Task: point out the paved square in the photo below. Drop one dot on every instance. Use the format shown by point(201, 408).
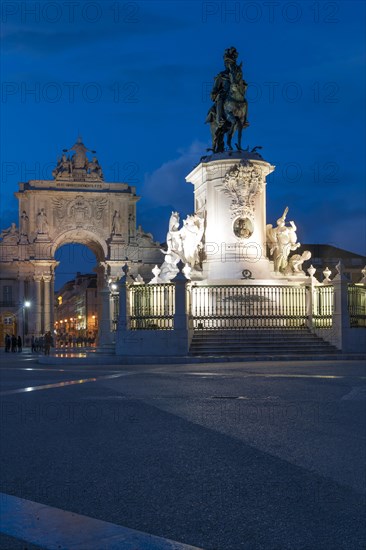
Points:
point(218, 456)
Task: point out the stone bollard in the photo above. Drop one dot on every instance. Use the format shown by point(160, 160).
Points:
point(341, 319)
point(180, 309)
point(310, 290)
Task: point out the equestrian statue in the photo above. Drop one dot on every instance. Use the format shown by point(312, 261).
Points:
point(229, 112)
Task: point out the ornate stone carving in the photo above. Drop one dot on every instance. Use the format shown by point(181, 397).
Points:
point(282, 240)
point(24, 224)
point(242, 183)
point(10, 235)
point(78, 167)
point(42, 222)
point(183, 244)
point(116, 223)
point(295, 262)
point(79, 210)
point(243, 228)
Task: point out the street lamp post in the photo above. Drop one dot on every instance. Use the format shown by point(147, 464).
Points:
point(26, 305)
point(114, 295)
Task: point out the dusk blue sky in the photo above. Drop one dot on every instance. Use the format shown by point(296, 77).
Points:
point(133, 78)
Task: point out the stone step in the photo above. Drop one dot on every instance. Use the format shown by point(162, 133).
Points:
point(259, 342)
point(261, 333)
point(299, 349)
point(267, 353)
point(264, 347)
point(253, 339)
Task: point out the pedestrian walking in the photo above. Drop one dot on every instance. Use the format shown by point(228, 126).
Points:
point(14, 343)
point(7, 342)
point(47, 343)
point(41, 343)
point(19, 344)
point(33, 344)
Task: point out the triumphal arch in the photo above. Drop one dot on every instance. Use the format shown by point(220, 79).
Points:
point(76, 206)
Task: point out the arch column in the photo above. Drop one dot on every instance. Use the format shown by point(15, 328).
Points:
point(47, 302)
point(38, 304)
point(105, 334)
point(21, 315)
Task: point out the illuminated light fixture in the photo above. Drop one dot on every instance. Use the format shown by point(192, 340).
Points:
point(114, 286)
point(79, 316)
point(65, 320)
point(27, 303)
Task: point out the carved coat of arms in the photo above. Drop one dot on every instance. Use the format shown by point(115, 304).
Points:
point(79, 211)
point(242, 183)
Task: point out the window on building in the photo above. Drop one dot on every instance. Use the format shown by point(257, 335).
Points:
point(7, 295)
point(8, 320)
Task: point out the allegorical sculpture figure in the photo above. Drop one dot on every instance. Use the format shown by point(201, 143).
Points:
point(42, 223)
point(229, 112)
point(24, 224)
point(79, 158)
point(95, 168)
point(295, 262)
point(182, 244)
point(116, 223)
point(282, 240)
point(78, 167)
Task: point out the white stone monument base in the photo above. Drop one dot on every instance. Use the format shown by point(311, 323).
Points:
point(232, 270)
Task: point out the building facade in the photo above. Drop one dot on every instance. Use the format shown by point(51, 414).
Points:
point(76, 206)
point(76, 311)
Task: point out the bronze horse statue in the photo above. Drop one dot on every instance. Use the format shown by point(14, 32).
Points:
point(233, 111)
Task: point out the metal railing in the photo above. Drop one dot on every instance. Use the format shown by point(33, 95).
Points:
point(231, 307)
point(357, 305)
point(247, 306)
point(152, 307)
point(323, 306)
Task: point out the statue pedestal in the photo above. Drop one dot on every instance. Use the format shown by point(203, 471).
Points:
point(230, 191)
point(42, 238)
point(117, 239)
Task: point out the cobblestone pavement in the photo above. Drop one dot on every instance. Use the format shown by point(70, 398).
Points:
point(219, 456)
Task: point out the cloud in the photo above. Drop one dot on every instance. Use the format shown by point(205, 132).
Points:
point(165, 190)
point(167, 185)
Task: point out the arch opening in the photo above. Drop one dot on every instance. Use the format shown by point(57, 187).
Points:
point(77, 308)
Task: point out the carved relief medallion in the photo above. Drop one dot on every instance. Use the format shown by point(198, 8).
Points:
point(243, 228)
